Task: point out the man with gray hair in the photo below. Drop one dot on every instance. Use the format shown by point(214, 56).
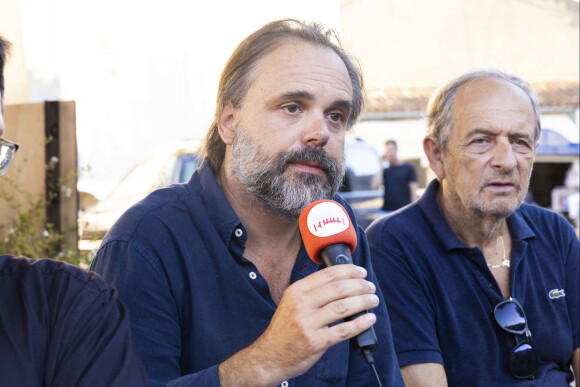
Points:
point(470, 274)
point(214, 272)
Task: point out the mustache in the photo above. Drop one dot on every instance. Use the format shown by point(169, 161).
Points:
point(510, 176)
point(308, 154)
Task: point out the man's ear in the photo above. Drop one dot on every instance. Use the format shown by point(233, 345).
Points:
point(226, 122)
point(435, 156)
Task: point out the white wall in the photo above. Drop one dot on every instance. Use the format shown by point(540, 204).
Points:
point(141, 72)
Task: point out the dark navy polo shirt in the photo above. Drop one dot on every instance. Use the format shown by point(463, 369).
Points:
point(63, 326)
point(440, 293)
point(177, 261)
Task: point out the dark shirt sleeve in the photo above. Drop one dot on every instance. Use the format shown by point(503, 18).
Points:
point(63, 326)
point(100, 351)
point(384, 355)
point(411, 312)
point(156, 323)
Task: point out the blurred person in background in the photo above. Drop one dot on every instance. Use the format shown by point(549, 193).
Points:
point(399, 180)
point(482, 289)
point(214, 272)
point(59, 324)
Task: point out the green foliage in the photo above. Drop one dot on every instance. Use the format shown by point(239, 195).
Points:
point(30, 233)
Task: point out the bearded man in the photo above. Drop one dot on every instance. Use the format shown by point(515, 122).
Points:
point(214, 272)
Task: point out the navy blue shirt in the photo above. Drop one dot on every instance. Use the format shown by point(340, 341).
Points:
point(63, 326)
point(177, 260)
point(440, 293)
point(396, 180)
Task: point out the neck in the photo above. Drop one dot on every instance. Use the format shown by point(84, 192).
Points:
point(265, 228)
point(273, 241)
point(473, 230)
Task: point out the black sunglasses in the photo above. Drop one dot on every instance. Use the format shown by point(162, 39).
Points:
point(510, 316)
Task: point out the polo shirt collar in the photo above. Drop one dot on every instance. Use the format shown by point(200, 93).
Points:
point(517, 225)
point(428, 205)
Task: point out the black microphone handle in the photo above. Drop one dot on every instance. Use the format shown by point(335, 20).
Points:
point(339, 254)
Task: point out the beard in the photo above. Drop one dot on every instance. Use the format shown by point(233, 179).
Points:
point(269, 185)
point(497, 207)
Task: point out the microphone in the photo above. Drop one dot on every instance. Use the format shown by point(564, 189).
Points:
point(330, 239)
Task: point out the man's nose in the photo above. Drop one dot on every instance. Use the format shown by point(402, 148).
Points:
point(316, 132)
point(504, 156)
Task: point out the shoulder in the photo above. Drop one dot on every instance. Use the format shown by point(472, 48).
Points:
point(52, 283)
point(544, 227)
point(166, 201)
point(408, 219)
point(405, 234)
point(537, 212)
point(542, 219)
point(410, 169)
point(49, 271)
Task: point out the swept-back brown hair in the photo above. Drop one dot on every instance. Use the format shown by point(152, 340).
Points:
point(241, 69)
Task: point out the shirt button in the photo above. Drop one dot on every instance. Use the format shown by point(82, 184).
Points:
point(284, 384)
point(253, 275)
point(238, 232)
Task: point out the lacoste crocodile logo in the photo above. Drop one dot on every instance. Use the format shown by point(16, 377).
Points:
point(557, 293)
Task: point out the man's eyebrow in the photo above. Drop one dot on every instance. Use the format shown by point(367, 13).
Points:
point(297, 95)
point(304, 95)
point(478, 131)
point(488, 132)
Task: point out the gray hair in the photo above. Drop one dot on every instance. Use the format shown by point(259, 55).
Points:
point(241, 69)
point(440, 106)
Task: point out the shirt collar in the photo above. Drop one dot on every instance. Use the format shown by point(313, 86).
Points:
point(428, 205)
point(222, 215)
point(226, 221)
point(517, 225)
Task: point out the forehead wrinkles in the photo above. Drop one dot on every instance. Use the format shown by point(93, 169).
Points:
point(493, 104)
point(513, 117)
point(303, 64)
point(317, 76)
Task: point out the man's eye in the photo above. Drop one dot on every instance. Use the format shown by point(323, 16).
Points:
point(291, 108)
point(479, 145)
point(520, 142)
point(336, 117)
point(522, 146)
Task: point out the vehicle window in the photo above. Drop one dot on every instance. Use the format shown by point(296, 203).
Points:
point(362, 161)
point(362, 164)
point(138, 180)
point(186, 165)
